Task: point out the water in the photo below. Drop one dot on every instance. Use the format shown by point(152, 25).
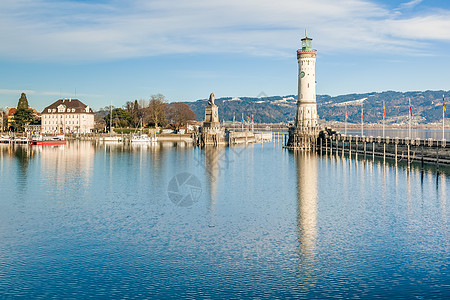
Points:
point(92, 221)
point(402, 133)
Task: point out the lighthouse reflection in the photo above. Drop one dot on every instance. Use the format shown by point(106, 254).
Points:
point(307, 165)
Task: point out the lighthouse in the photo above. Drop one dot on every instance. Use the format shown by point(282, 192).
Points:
point(305, 130)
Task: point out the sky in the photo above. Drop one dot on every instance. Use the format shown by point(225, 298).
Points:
point(113, 51)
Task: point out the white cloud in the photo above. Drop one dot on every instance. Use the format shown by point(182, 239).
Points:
point(16, 92)
point(410, 4)
point(46, 93)
point(49, 30)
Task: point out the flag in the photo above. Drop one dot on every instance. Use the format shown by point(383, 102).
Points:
point(410, 110)
point(346, 116)
point(384, 110)
point(252, 119)
point(443, 105)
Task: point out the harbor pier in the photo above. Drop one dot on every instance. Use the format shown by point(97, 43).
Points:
point(430, 151)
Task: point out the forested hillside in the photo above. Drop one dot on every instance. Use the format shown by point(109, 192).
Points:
point(427, 107)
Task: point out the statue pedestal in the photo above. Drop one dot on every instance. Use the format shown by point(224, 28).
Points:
point(210, 132)
point(211, 114)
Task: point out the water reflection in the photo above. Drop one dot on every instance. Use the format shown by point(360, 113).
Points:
point(23, 155)
point(67, 170)
point(307, 188)
point(213, 167)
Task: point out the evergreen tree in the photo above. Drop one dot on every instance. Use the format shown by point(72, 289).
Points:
point(135, 114)
point(23, 102)
point(23, 115)
point(120, 118)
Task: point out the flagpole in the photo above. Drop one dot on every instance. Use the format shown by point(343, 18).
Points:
point(443, 118)
point(383, 117)
point(346, 119)
point(252, 124)
point(362, 120)
point(410, 113)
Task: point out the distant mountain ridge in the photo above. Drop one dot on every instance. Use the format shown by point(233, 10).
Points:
point(427, 107)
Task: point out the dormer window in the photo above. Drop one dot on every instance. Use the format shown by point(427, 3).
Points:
point(49, 110)
point(54, 110)
point(61, 108)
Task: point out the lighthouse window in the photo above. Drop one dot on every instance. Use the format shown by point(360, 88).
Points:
point(308, 84)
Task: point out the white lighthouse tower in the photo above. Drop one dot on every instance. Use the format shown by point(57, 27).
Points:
point(305, 130)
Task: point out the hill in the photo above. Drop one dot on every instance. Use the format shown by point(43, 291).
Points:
point(427, 107)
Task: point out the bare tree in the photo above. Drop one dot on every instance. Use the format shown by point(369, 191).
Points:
point(143, 103)
point(179, 113)
point(129, 105)
point(155, 113)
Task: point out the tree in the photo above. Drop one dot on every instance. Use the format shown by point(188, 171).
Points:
point(135, 114)
point(120, 117)
point(129, 105)
point(23, 115)
point(155, 113)
point(179, 113)
point(23, 102)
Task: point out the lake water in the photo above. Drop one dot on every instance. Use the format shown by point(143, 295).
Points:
point(402, 133)
point(171, 221)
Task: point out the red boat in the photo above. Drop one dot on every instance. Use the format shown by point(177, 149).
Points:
point(48, 142)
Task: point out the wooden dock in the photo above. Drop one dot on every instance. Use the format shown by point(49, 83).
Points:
point(410, 150)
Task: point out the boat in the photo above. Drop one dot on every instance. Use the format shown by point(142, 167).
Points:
point(143, 138)
point(4, 139)
point(19, 140)
point(111, 139)
point(49, 141)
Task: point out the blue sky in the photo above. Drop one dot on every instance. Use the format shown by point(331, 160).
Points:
point(111, 50)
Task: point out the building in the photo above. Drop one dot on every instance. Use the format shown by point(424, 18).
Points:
point(305, 130)
point(12, 111)
point(67, 116)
